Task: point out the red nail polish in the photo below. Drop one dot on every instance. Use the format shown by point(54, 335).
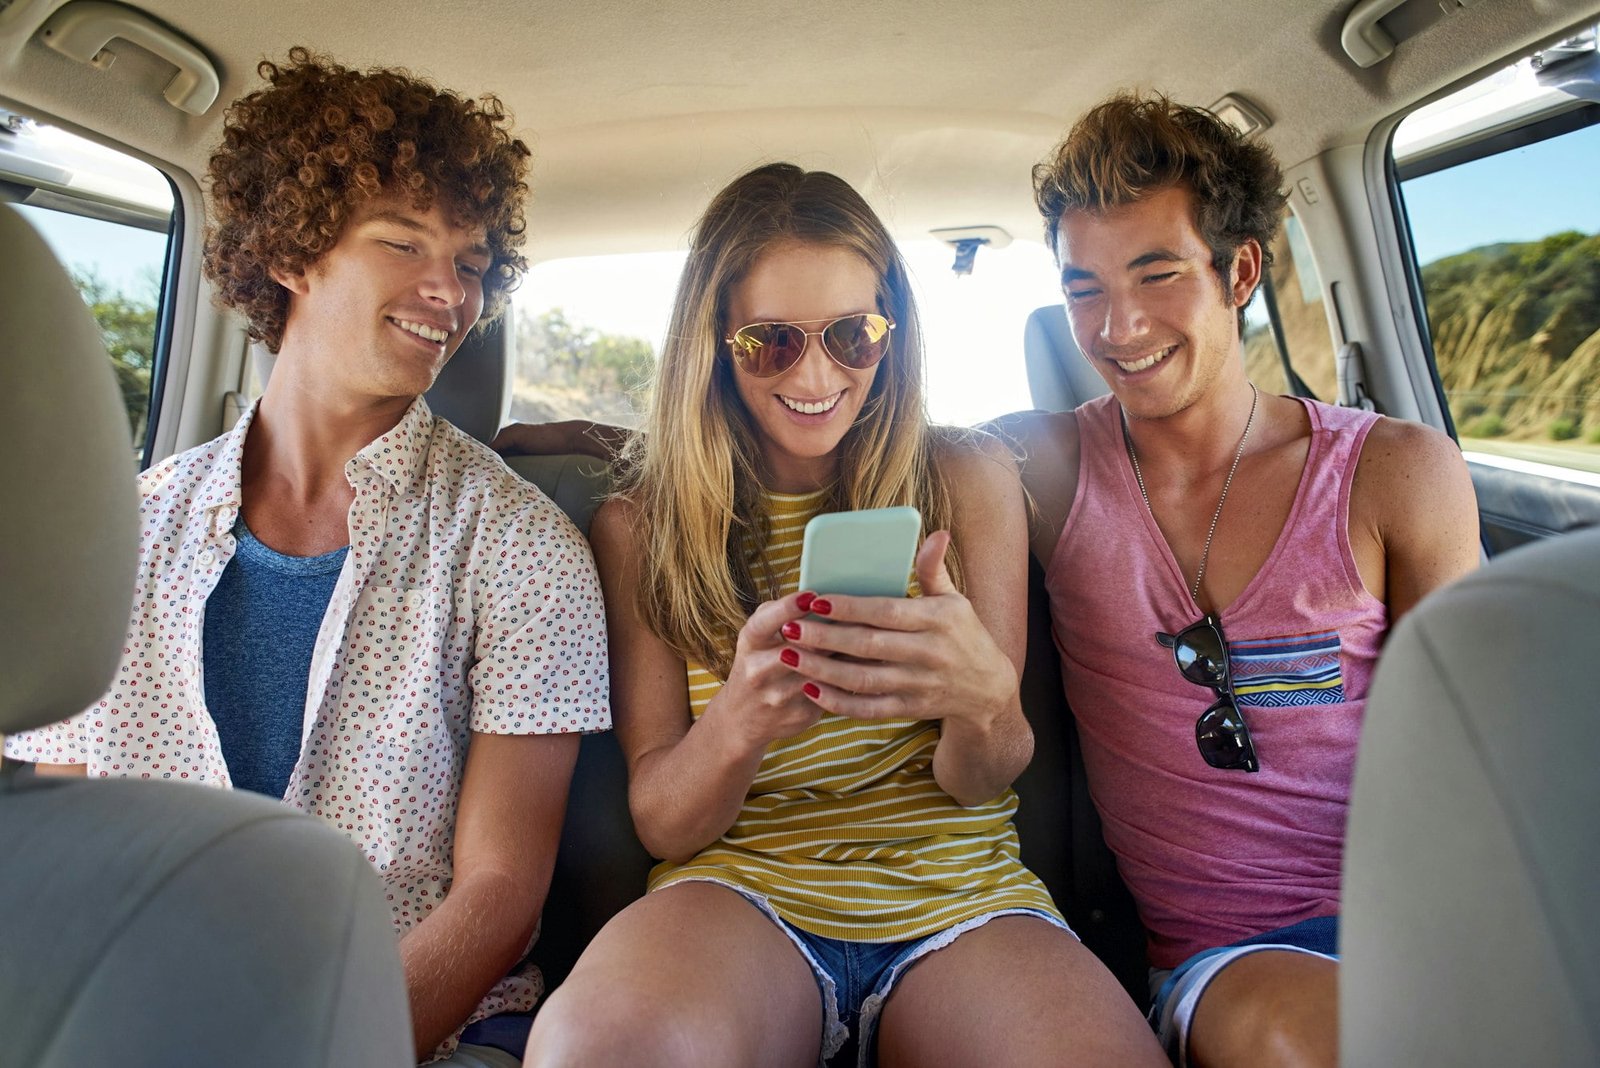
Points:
point(821, 607)
point(790, 657)
point(803, 602)
point(811, 690)
point(791, 630)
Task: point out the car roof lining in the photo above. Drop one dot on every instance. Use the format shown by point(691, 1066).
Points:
point(637, 113)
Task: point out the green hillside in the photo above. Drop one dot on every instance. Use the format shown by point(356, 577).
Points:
point(1516, 335)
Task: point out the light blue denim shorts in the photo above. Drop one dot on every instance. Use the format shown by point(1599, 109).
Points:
point(856, 978)
point(1175, 992)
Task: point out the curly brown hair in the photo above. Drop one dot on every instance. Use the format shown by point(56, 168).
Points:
point(298, 158)
point(1130, 146)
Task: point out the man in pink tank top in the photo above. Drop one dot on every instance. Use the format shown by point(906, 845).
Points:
point(1270, 542)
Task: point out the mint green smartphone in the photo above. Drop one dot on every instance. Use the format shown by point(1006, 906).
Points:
point(864, 554)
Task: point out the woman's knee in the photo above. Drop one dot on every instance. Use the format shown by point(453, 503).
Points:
point(617, 1025)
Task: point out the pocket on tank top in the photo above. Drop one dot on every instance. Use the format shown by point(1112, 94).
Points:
point(1291, 671)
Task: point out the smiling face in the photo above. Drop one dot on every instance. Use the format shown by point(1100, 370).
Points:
point(803, 413)
point(1146, 306)
point(379, 315)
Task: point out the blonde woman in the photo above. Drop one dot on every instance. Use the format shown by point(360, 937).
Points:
point(826, 778)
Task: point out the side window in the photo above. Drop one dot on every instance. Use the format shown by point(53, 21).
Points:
point(1505, 236)
point(109, 219)
point(1287, 346)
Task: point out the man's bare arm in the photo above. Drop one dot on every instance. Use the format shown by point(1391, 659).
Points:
point(1414, 498)
point(63, 771)
point(600, 440)
point(508, 825)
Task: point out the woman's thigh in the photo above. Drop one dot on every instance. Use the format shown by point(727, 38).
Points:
point(692, 974)
point(1016, 991)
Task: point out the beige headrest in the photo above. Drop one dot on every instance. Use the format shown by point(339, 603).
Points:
point(69, 531)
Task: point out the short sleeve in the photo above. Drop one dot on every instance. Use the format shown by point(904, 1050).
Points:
point(59, 743)
point(540, 665)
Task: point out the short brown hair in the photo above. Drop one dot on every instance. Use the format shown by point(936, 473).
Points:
point(1130, 146)
point(299, 157)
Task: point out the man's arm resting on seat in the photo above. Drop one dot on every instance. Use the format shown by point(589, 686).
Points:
point(508, 824)
point(600, 440)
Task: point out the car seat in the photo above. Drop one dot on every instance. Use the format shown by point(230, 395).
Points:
point(1059, 378)
point(145, 923)
point(1470, 935)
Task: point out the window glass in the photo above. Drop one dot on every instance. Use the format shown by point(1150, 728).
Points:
point(1292, 289)
point(1505, 231)
point(589, 330)
point(108, 218)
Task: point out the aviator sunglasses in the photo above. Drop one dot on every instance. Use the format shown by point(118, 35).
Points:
point(1202, 655)
point(854, 342)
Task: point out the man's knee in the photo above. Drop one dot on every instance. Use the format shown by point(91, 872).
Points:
point(1268, 1009)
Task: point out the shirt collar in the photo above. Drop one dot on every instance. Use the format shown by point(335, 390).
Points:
point(221, 487)
point(396, 457)
point(399, 456)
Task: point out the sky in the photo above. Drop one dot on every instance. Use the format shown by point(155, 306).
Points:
point(1521, 195)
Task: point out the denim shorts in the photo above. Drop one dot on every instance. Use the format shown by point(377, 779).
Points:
point(1176, 992)
point(856, 978)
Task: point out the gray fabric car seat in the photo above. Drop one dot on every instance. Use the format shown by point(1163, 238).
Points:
point(1059, 378)
point(141, 923)
point(1470, 933)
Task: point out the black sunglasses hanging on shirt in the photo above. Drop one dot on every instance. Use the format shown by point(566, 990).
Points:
point(1201, 653)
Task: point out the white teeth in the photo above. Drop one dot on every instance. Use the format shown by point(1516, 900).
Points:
point(1151, 360)
point(812, 407)
point(423, 330)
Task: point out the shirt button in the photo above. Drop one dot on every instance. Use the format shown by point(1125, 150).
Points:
point(207, 557)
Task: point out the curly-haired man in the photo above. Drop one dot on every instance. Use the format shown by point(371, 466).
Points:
point(344, 601)
point(1223, 566)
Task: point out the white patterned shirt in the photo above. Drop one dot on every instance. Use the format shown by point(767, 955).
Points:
point(468, 602)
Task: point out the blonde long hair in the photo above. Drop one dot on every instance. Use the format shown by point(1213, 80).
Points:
point(696, 474)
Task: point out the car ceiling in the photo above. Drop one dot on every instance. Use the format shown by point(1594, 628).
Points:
point(637, 111)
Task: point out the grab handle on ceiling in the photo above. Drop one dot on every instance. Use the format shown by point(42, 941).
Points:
point(83, 28)
point(1367, 42)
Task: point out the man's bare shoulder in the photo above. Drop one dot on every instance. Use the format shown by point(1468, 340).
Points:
point(1400, 457)
point(1046, 445)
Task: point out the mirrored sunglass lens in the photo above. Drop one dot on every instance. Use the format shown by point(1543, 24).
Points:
point(766, 349)
point(1200, 656)
point(1223, 739)
point(858, 341)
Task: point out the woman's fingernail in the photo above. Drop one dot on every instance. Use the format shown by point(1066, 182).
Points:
point(811, 690)
point(821, 607)
point(790, 657)
point(803, 602)
point(791, 630)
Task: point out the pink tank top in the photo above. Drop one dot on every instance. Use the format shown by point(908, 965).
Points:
point(1213, 856)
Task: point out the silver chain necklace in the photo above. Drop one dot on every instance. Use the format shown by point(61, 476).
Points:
point(1205, 554)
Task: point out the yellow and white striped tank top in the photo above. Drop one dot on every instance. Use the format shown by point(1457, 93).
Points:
point(844, 830)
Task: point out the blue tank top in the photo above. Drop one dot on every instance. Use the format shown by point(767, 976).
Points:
point(261, 626)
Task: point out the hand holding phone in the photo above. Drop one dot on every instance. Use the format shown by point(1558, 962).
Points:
point(867, 553)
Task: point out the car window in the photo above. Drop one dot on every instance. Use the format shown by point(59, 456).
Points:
point(1505, 236)
point(589, 329)
point(1287, 346)
point(109, 219)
